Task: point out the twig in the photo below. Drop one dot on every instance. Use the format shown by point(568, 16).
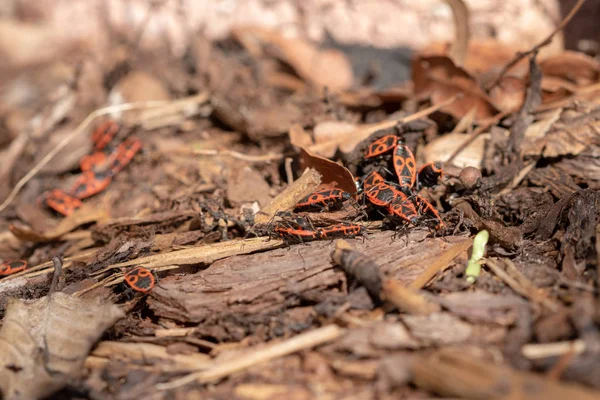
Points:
point(298, 343)
point(520, 284)
point(538, 46)
point(61, 145)
point(288, 170)
point(440, 264)
point(546, 350)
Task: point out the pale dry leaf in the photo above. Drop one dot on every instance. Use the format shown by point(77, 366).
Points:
point(444, 146)
point(538, 129)
point(330, 130)
point(44, 343)
point(299, 137)
point(567, 136)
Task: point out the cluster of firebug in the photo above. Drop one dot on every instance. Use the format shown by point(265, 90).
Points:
point(12, 267)
point(301, 229)
point(400, 200)
point(98, 169)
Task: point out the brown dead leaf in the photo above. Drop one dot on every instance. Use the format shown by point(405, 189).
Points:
point(44, 344)
point(438, 78)
point(85, 215)
point(572, 66)
point(323, 68)
point(484, 56)
point(333, 174)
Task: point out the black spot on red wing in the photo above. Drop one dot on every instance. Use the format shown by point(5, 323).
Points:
point(17, 264)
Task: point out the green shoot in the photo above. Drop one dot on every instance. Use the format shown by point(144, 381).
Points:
point(474, 266)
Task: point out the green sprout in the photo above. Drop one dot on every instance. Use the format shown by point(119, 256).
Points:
point(474, 266)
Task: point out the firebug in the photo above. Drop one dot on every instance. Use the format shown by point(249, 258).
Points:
point(341, 230)
point(381, 146)
point(429, 174)
point(140, 279)
point(60, 201)
point(405, 167)
point(321, 200)
point(424, 207)
point(104, 134)
point(90, 183)
point(12, 267)
point(123, 154)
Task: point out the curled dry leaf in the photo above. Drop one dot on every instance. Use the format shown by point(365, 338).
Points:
point(327, 68)
point(44, 344)
point(484, 56)
point(333, 174)
point(438, 78)
point(572, 66)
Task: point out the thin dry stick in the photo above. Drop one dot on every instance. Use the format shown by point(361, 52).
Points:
point(98, 113)
point(303, 341)
point(538, 46)
point(440, 264)
point(288, 170)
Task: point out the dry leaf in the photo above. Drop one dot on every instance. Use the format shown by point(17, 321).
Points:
point(333, 174)
point(299, 137)
point(572, 66)
point(82, 216)
point(567, 136)
point(440, 79)
point(484, 56)
point(330, 130)
point(327, 68)
point(43, 344)
point(346, 141)
point(509, 93)
point(444, 146)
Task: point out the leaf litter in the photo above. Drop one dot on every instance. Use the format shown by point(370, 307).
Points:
point(249, 299)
